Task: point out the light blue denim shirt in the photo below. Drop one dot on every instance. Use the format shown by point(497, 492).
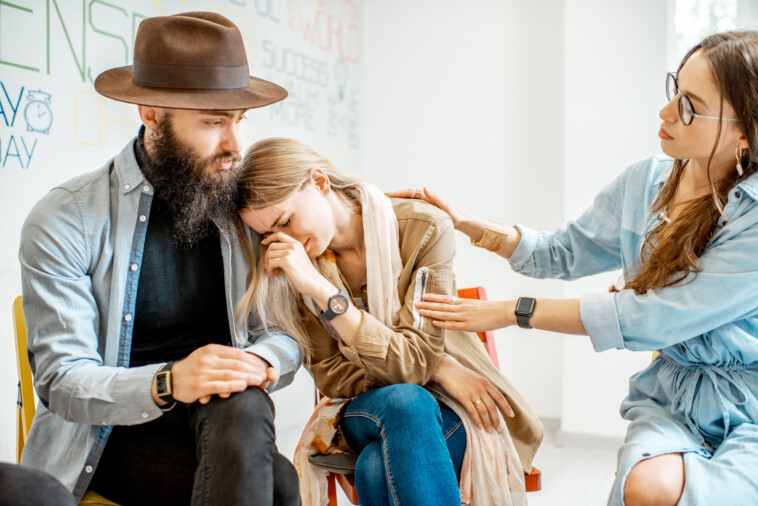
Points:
point(81, 251)
point(710, 319)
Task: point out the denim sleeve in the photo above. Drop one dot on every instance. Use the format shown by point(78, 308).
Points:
point(282, 352)
point(587, 246)
point(724, 291)
point(63, 324)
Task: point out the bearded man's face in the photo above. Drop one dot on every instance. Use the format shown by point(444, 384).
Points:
point(192, 164)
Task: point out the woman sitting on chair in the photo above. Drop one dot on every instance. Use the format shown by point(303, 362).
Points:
point(354, 262)
point(684, 229)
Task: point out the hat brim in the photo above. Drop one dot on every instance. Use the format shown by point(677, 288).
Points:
point(117, 84)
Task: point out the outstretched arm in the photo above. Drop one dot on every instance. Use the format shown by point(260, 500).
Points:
point(555, 315)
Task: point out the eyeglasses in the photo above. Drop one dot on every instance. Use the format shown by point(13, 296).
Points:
point(686, 112)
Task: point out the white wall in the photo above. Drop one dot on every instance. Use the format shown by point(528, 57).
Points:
point(614, 90)
point(313, 49)
point(455, 99)
point(520, 112)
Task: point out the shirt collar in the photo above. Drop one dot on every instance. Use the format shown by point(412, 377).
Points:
point(750, 186)
point(128, 170)
point(663, 177)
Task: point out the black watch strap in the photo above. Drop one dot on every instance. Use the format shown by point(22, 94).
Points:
point(524, 311)
point(164, 384)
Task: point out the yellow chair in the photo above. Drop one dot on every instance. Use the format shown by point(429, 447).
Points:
point(26, 398)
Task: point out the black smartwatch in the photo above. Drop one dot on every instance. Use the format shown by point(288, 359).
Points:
point(164, 384)
point(524, 311)
point(336, 306)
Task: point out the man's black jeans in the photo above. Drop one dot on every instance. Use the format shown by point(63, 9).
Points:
point(220, 453)
point(24, 486)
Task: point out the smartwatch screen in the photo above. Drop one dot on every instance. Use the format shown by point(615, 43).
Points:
point(525, 305)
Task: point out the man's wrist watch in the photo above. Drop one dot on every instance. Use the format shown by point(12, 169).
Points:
point(336, 306)
point(524, 311)
point(164, 384)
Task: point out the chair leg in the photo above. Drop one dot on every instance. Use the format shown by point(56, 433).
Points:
point(533, 480)
point(19, 436)
point(331, 489)
point(348, 487)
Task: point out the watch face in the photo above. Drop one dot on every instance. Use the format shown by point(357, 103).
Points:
point(338, 304)
point(525, 306)
point(163, 383)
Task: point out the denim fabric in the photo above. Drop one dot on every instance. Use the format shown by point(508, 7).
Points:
point(410, 447)
point(718, 473)
point(713, 319)
point(194, 455)
point(700, 396)
point(23, 486)
point(80, 254)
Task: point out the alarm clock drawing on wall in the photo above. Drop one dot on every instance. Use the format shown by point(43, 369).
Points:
point(37, 113)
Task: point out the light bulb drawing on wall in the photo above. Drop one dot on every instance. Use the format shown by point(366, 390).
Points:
point(340, 77)
point(37, 113)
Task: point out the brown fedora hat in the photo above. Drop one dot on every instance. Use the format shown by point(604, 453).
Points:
point(194, 60)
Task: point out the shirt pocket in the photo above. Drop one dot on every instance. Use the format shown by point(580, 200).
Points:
point(430, 281)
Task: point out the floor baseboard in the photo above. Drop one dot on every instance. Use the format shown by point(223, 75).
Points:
point(585, 440)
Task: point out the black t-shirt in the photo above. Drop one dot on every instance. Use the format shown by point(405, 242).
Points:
point(181, 302)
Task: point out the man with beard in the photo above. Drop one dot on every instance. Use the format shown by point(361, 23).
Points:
point(150, 393)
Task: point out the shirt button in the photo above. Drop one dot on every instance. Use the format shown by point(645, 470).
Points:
point(645, 454)
point(127, 318)
point(127, 186)
point(737, 195)
point(142, 217)
point(88, 469)
point(145, 415)
point(133, 267)
point(146, 188)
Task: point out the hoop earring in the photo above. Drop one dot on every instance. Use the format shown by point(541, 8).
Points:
point(738, 154)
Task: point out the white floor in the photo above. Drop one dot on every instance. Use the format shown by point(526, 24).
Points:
point(573, 474)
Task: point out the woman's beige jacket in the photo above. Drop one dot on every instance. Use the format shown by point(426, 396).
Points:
point(405, 354)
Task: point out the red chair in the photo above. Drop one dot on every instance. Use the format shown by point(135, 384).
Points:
point(532, 480)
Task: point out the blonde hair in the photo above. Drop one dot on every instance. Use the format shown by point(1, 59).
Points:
point(272, 171)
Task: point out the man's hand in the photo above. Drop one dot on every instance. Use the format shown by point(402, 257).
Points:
point(219, 370)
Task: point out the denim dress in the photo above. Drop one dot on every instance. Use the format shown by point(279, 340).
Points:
point(698, 397)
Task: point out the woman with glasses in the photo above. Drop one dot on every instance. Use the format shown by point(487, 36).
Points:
point(684, 229)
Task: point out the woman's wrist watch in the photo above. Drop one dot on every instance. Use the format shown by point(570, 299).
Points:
point(336, 306)
point(524, 311)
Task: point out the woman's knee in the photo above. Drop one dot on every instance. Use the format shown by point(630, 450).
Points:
point(655, 481)
point(405, 401)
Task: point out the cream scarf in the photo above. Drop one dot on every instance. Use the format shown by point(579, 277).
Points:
point(383, 263)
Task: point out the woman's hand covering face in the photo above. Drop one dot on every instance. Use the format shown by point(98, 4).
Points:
point(288, 254)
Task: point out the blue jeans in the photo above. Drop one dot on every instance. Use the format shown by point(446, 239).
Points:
point(410, 447)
